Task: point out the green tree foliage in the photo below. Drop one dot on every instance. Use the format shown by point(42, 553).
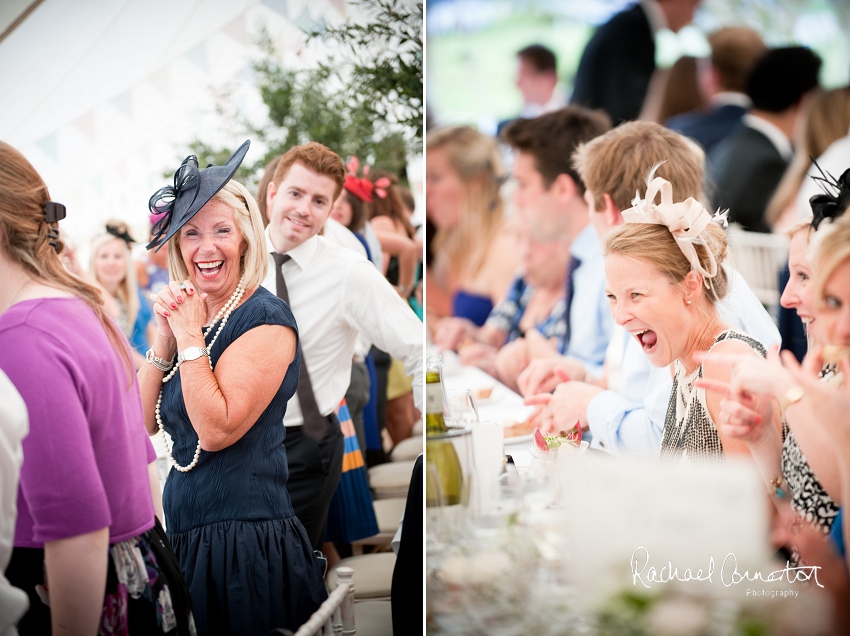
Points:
point(366, 99)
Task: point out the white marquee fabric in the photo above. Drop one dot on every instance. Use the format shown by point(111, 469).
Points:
point(103, 96)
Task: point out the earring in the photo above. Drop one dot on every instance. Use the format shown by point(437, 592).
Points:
point(689, 302)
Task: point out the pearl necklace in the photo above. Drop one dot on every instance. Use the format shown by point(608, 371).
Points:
point(223, 315)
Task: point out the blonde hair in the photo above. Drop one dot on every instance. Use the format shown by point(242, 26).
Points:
point(128, 288)
point(655, 244)
point(827, 120)
point(803, 224)
point(831, 250)
point(617, 163)
point(26, 241)
point(254, 262)
point(475, 159)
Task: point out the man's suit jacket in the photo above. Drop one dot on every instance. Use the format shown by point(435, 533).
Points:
point(616, 66)
point(745, 169)
point(708, 127)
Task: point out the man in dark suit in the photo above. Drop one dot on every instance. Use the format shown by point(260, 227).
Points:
point(745, 168)
point(619, 59)
point(734, 51)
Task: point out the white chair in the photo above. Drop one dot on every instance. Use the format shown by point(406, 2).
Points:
point(390, 480)
point(759, 257)
point(374, 575)
point(388, 512)
point(336, 614)
point(407, 449)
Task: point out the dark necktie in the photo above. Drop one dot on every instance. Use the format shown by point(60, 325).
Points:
point(568, 298)
point(315, 424)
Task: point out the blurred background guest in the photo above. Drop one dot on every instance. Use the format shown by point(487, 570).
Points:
point(114, 272)
point(471, 260)
point(619, 60)
point(536, 78)
point(747, 166)
point(152, 268)
point(680, 91)
point(734, 50)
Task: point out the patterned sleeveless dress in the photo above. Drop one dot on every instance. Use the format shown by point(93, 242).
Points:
point(688, 428)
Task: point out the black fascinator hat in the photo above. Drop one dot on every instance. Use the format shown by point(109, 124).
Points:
point(192, 190)
point(835, 199)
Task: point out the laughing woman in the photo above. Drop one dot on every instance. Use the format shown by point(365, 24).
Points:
point(245, 555)
point(664, 280)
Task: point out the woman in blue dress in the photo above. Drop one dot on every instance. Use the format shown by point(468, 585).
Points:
point(223, 364)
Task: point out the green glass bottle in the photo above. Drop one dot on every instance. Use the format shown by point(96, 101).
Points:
point(440, 453)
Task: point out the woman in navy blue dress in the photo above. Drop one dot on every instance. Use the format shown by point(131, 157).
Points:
point(246, 557)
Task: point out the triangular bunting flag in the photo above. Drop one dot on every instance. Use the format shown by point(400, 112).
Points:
point(198, 55)
point(86, 124)
point(124, 102)
point(237, 30)
point(280, 6)
point(340, 5)
point(48, 145)
point(305, 22)
point(160, 80)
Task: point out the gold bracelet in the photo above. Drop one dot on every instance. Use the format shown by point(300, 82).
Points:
point(792, 396)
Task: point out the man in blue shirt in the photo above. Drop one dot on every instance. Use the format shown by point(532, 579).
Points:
point(549, 195)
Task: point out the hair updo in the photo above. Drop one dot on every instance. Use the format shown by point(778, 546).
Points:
point(655, 244)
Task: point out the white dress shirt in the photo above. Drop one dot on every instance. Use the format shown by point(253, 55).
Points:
point(336, 294)
point(337, 233)
point(591, 324)
point(14, 426)
point(631, 420)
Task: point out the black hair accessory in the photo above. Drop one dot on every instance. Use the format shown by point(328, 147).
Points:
point(123, 234)
point(829, 205)
point(54, 212)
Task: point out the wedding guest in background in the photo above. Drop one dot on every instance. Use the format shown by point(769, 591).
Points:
point(152, 270)
point(625, 413)
point(335, 295)
point(734, 50)
point(549, 196)
point(746, 167)
point(85, 506)
point(681, 91)
point(391, 225)
point(536, 79)
point(619, 60)
point(246, 557)
point(471, 262)
point(112, 269)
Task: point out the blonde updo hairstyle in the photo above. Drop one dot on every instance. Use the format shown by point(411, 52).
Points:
point(128, 290)
point(656, 245)
point(249, 221)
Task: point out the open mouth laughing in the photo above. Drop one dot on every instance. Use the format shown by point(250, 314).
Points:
point(209, 269)
point(648, 339)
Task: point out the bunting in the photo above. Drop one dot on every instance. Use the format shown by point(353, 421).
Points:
point(280, 6)
point(161, 81)
point(85, 124)
point(124, 102)
point(48, 145)
point(238, 31)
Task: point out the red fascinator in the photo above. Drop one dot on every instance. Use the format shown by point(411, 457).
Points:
point(361, 187)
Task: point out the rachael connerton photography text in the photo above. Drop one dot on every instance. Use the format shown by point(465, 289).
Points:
point(728, 574)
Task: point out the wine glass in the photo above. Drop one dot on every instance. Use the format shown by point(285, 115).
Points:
point(459, 406)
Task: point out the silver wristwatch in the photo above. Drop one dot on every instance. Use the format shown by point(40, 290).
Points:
point(191, 353)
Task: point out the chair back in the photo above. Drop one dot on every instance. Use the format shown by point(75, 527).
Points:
point(336, 615)
point(759, 257)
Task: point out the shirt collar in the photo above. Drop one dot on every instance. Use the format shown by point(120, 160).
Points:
point(301, 254)
point(776, 136)
point(730, 98)
point(586, 244)
point(654, 15)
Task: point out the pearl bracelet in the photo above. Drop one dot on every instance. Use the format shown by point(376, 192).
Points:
point(160, 363)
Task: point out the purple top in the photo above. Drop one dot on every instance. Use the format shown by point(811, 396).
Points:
point(86, 456)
